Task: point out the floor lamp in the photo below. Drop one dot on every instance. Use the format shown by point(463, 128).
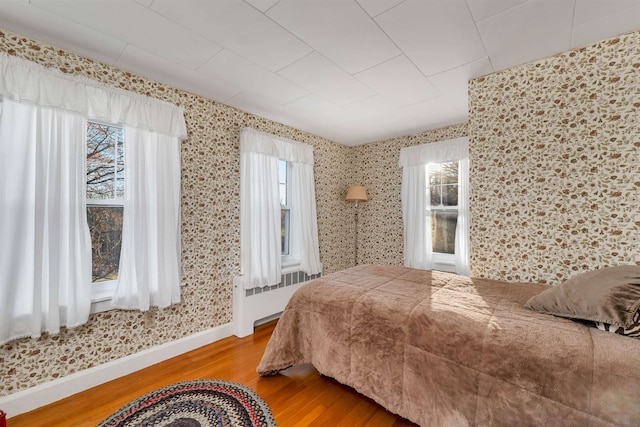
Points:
point(357, 194)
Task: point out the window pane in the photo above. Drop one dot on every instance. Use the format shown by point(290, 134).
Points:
point(284, 223)
point(443, 231)
point(105, 161)
point(450, 195)
point(283, 178)
point(105, 225)
point(436, 196)
point(99, 181)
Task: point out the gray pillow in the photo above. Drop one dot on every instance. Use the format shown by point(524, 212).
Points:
point(609, 295)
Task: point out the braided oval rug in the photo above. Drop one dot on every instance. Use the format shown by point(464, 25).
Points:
point(197, 403)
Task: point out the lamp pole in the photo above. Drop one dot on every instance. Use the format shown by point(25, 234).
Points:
point(356, 251)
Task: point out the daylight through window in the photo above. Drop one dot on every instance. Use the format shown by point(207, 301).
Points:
point(443, 198)
point(285, 208)
point(105, 198)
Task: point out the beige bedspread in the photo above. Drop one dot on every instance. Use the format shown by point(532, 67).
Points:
point(446, 350)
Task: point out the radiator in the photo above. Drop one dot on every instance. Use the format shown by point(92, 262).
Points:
point(251, 306)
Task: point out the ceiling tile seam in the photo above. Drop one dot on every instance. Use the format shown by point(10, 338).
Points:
point(497, 13)
point(64, 18)
point(573, 24)
point(355, 75)
point(311, 92)
point(479, 33)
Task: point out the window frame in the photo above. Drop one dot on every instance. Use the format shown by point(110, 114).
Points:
point(441, 260)
point(289, 261)
point(102, 292)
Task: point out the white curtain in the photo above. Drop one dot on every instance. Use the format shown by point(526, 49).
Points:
point(260, 238)
point(415, 220)
point(259, 214)
point(462, 227)
point(415, 201)
point(45, 247)
point(26, 81)
point(150, 257)
point(304, 224)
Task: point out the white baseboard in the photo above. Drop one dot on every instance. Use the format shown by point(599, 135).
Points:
point(44, 394)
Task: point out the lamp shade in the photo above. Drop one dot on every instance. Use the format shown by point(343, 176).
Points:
point(357, 193)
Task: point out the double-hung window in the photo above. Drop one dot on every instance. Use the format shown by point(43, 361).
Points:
point(105, 204)
point(278, 225)
point(62, 175)
point(443, 209)
point(435, 205)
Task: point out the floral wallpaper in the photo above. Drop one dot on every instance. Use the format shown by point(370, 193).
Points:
point(555, 155)
point(554, 191)
point(210, 229)
point(380, 238)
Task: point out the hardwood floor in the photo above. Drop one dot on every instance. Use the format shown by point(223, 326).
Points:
point(298, 397)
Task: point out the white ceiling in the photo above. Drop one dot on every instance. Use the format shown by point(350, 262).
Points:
point(353, 71)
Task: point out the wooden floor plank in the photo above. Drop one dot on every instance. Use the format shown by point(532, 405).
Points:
point(300, 397)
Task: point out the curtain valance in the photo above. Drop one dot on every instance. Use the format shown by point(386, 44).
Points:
point(254, 141)
point(437, 152)
point(22, 80)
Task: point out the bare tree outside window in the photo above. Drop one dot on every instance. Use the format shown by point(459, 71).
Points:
point(105, 192)
point(443, 189)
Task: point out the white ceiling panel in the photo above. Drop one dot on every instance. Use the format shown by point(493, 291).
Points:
point(262, 5)
point(252, 78)
point(121, 19)
point(322, 77)
point(17, 15)
point(435, 35)
point(340, 30)
point(315, 110)
point(482, 9)
point(159, 69)
point(239, 27)
point(594, 10)
point(515, 36)
point(608, 25)
point(376, 7)
point(353, 71)
point(399, 81)
point(452, 84)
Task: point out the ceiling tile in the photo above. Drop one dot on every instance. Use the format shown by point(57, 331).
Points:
point(453, 83)
point(322, 77)
point(436, 36)
point(313, 109)
point(343, 32)
point(533, 30)
point(482, 9)
point(594, 10)
point(31, 21)
point(262, 5)
point(239, 27)
point(121, 19)
point(399, 81)
point(159, 69)
point(608, 25)
point(252, 78)
point(376, 7)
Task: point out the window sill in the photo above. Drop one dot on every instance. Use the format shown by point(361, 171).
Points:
point(290, 265)
point(101, 295)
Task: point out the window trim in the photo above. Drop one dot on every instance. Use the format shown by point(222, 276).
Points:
point(102, 292)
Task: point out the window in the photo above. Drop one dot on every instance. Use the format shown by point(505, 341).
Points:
point(105, 204)
point(443, 204)
point(435, 205)
point(285, 205)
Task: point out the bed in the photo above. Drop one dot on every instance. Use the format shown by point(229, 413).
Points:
point(447, 350)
